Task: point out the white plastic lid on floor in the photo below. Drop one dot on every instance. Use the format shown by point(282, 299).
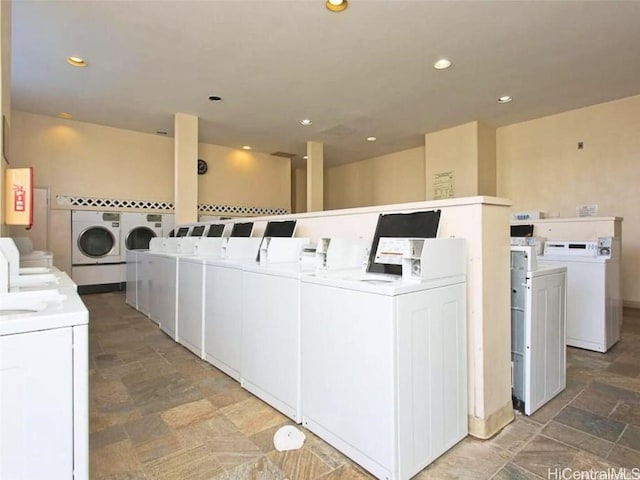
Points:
point(288, 438)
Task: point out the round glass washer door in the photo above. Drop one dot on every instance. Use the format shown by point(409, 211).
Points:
point(139, 238)
point(96, 242)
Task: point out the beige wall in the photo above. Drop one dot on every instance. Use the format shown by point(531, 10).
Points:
point(393, 178)
point(238, 177)
point(487, 161)
point(82, 159)
point(299, 190)
point(469, 152)
point(5, 93)
point(541, 168)
point(76, 158)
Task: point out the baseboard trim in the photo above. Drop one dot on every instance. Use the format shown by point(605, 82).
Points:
point(102, 288)
point(485, 428)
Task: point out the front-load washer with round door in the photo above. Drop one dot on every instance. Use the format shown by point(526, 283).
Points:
point(95, 251)
point(138, 229)
point(168, 224)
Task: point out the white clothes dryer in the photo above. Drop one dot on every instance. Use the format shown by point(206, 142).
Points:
point(168, 224)
point(95, 251)
point(138, 229)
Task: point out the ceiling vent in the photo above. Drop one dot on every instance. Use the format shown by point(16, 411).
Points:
point(284, 155)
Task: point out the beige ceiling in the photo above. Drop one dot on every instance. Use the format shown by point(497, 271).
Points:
point(364, 72)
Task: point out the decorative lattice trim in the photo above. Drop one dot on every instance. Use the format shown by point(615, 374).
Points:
point(72, 201)
point(208, 208)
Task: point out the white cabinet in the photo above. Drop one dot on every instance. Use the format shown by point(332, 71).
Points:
point(44, 404)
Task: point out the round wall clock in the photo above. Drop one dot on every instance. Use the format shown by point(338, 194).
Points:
point(202, 167)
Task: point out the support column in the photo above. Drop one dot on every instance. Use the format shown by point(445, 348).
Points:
point(185, 167)
point(461, 162)
point(315, 177)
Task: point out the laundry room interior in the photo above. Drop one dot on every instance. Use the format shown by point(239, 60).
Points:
point(250, 277)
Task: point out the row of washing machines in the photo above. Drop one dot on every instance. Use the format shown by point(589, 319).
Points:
point(100, 240)
point(371, 359)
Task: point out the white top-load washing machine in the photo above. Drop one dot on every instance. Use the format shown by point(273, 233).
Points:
point(594, 300)
point(538, 330)
point(191, 285)
point(44, 391)
point(27, 279)
point(384, 362)
point(271, 367)
point(223, 303)
point(163, 283)
point(96, 251)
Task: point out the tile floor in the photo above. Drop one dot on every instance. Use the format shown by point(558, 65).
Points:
point(158, 412)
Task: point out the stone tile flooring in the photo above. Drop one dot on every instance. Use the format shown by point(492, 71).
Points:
point(158, 412)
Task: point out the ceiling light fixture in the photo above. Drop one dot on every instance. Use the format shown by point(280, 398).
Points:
point(442, 64)
point(371, 139)
point(306, 157)
point(215, 98)
point(505, 99)
point(336, 5)
point(76, 61)
point(306, 122)
point(64, 115)
point(246, 147)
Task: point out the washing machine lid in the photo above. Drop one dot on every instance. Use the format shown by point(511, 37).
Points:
point(96, 242)
point(139, 237)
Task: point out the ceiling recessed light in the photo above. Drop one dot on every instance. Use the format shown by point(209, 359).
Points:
point(64, 115)
point(504, 99)
point(306, 122)
point(336, 5)
point(442, 64)
point(161, 132)
point(215, 98)
point(371, 139)
point(246, 147)
point(76, 61)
